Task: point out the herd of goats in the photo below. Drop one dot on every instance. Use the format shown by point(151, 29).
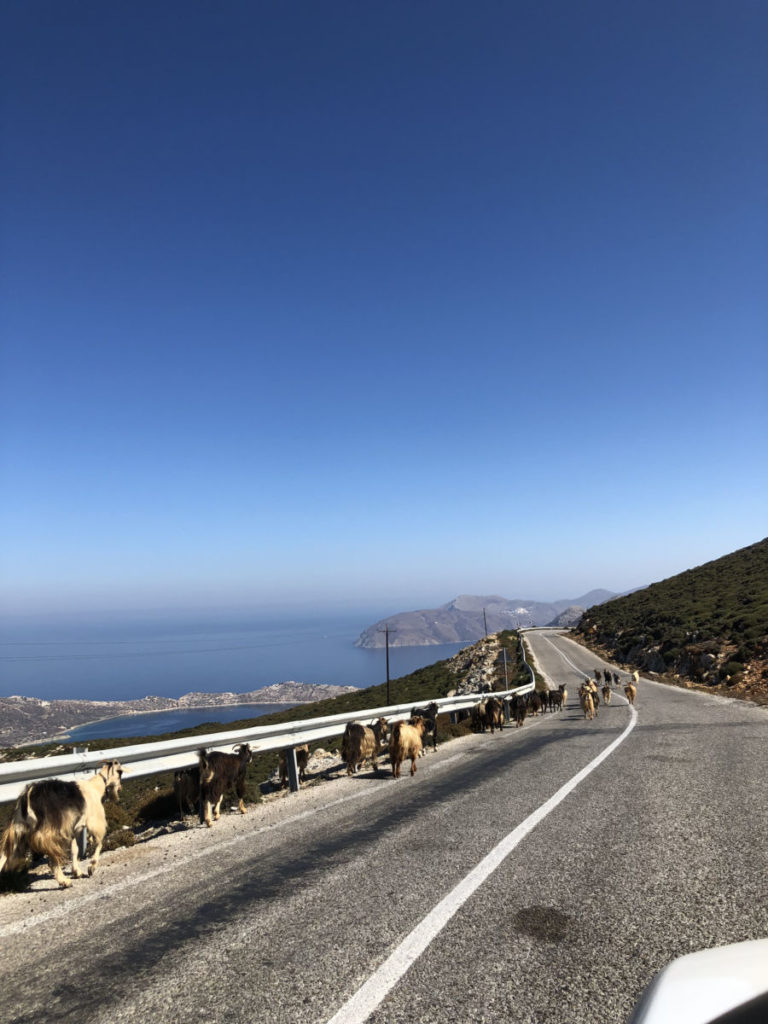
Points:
point(52, 817)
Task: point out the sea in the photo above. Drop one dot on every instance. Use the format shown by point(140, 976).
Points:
point(116, 658)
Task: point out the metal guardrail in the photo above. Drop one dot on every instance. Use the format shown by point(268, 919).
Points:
point(169, 755)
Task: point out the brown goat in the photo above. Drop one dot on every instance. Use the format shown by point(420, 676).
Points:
point(51, 816)
point(479, 716)
point(429, 714)
point(587, 705)
point(302, 760)
point(494, 713)
point(606, 695)
point(220, 773)
point(631, 691)
point(362, 743)
point(519, 709)
point(406, 742)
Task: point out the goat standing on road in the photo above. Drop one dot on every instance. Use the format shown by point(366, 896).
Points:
point(429, 714)
point(362, 743)
point(220, 773)
point(51, 816)
point(406, 742)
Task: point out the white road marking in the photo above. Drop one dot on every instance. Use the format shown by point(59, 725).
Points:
point(361, 1005)
point(565, 658)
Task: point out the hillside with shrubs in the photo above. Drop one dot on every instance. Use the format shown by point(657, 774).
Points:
point(707, 626)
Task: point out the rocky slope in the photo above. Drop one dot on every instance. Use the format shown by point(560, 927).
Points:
point(30, 720)
point(708, 625)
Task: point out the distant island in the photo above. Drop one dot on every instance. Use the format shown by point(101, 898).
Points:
point(461, 620)
point(31, 720)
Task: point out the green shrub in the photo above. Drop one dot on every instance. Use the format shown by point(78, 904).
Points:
point(731, 668)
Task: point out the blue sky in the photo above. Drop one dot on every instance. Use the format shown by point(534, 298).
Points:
point(379, 303)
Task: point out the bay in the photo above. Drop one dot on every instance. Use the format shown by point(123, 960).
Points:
point(156, 723)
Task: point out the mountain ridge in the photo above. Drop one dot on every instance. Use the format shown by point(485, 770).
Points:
point(461, 619)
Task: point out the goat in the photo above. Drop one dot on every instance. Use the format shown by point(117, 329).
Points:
point(587, 706)
point(606, 695)
point(606, 675)
point(519, 709)
point(494, 713)
point(597, 674)
point(51, 816)
point(220, 773)
point(479, 717)
point(186, 789)
point(631, 691)
point(406, 742)
point(564, 692)
point(429, 714)
point(555, 700)
point(615, 678)
point(592, 688)
point(361, 743)
point(534, 703)
point(302, 760)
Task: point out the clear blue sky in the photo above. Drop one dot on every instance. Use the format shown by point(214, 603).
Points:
point(379, 302)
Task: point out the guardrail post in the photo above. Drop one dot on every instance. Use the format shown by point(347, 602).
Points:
point(453, 718)
point(507, 712)
point(293, 769)
point(83, 844)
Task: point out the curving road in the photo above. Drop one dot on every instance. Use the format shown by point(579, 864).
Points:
point(541, 874)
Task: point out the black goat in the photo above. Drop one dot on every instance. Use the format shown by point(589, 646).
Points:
point(555, 700)
point(186, 789)
point(220, 773)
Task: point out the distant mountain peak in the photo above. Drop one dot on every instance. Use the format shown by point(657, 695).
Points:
point(464, 619)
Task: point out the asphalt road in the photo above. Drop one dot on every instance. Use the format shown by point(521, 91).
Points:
point(285, 914)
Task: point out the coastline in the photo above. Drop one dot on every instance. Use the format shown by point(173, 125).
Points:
point(30, 721)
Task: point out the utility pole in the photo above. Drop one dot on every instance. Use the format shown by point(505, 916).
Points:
point(385, 631)
point(485, 622)
point(506, 677)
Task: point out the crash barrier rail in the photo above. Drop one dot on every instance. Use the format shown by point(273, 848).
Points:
point(170, 755)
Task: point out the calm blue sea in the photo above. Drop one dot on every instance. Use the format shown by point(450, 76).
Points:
point(115, 659)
